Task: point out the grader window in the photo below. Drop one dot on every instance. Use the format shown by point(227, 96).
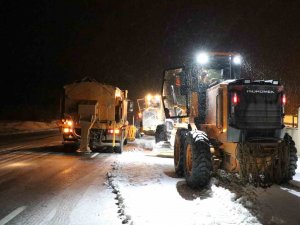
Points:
point(219, 109)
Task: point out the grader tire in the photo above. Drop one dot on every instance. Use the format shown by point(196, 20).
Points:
point(160, 133)
point(292, 164)
point(178, 151)
point(197, 159)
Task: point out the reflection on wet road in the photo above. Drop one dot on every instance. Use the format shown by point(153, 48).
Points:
point(41, 183)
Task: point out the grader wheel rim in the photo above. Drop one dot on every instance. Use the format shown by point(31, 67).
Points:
point(176, 152)
point(189, 158)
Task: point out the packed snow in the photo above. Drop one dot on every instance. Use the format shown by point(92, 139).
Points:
point(148, 192)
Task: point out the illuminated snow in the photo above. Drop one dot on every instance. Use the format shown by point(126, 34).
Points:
point(291, 191)
point(296, 179)
point(297, 176)
point(151, 195)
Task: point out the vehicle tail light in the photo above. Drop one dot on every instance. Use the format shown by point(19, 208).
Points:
point(140, 115)
point(66, 130)
point(234, 101)
point(283, 100)
point(235, 98)
point(111, 131)
point(67, 122)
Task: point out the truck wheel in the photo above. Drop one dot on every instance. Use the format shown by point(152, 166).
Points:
point(178, 151)
point(197, 159)
point(119, 149)
point(292, 159)
point(160, 133)
point(138, 134)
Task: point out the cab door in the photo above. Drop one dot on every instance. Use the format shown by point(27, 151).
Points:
point(175, 93)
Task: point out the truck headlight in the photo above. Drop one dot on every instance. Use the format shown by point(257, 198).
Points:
point(66, 130)
point(237, 60)
point(202, 58)
point(70, 123)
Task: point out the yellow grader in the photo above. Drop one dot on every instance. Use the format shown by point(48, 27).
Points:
point(94, 115)
point(233, 124)
point(153, 121)
point(151, 113)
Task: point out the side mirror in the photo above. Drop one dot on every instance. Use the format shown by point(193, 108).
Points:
point(131, 105)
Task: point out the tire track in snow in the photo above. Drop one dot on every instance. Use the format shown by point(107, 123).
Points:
point(125, 218)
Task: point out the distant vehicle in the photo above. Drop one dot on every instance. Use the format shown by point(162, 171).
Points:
point(150, 113)
point(94, 115)
point(233, 124)
point(152, 118)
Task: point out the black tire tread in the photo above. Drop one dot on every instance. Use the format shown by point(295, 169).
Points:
point(202, 163)
point(160, 133)
point(293, 158)
point(181, 134)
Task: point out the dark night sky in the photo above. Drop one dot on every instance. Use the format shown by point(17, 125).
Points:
point(46, 44)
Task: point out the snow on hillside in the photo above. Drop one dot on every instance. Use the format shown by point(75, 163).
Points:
point(9, 127)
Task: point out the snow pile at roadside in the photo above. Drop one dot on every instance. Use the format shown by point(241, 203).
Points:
point(148, 143)
point(151, 194)
point(161, 204)
point(297, 175)
point(9, 127)
point(294, 182)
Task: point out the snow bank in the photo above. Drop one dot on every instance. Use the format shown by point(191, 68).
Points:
point(8, 127)
point(145, 143)
point(161, 204)
point(297, 176)
point(148, 143)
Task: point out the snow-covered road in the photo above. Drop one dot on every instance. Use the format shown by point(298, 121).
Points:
point(41, 183)
point(151, 193)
